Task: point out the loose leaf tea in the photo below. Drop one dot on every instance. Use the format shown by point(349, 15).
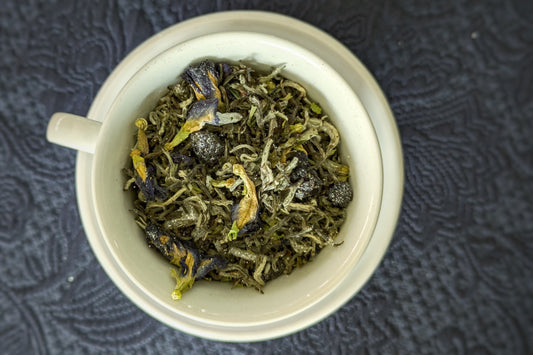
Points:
point(237, 176)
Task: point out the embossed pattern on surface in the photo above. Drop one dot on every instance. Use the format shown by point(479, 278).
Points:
point(458, 276)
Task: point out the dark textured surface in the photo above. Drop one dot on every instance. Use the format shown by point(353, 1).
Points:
point(458, 276)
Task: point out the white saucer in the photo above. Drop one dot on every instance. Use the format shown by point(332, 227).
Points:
point(355, 74)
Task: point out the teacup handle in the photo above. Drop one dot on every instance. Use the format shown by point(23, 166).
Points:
point(73, 131)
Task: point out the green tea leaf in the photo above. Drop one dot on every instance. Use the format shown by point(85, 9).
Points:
point(315, 108)
point(234, 231)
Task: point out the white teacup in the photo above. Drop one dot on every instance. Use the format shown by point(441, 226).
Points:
point(214, 304)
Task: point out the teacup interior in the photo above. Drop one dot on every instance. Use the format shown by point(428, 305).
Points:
point(213, 302)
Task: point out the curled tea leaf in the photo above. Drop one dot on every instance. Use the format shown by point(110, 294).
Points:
point(333, 134)
point(337, 169)
point(228, 183)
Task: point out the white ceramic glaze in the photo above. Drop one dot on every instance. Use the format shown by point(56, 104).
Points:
point(73, 131)
point(239, 322)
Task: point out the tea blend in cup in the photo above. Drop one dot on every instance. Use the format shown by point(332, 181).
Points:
point(237, 176)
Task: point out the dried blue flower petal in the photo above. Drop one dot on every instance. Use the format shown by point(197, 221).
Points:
point(146, 187)
point(181, 160)
point(203, 79)
point(185, 256)
point(201, 113)
point(209, 264)
point(226, 69)
point(149, 187)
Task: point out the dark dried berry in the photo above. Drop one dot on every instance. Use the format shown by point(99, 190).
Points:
point(303, 160)
point(309, 186)
point(207, 146)
point(300, 171)
point(340, 194)
point(183, 161)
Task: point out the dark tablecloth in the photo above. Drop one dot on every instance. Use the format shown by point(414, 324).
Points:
point(457, 278)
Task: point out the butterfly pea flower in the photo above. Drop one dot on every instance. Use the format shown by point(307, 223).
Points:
point(142, 140)
point(226, 68)
point(139, 164)
point(201, 113)
point(141, 149)
point(191, 265)
point(247, 210)
point(203, 79)
point(145, 178)
point(209, 264)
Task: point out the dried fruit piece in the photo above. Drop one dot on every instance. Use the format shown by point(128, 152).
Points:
point(207, 146)
point(340, 194)
point(309, 186)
